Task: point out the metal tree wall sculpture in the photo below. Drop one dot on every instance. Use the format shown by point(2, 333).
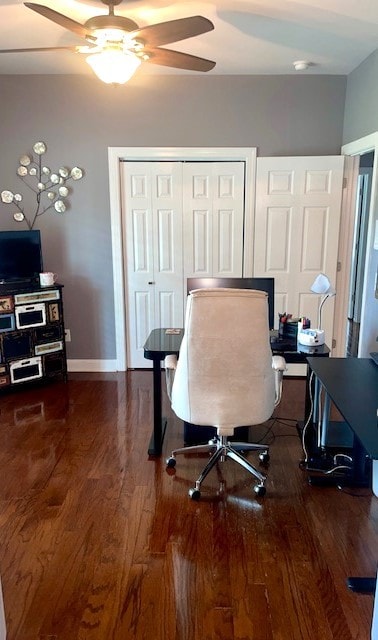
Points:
point(50, 187)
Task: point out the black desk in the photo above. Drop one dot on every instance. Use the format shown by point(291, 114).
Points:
point(352, 385)
point(160, 344)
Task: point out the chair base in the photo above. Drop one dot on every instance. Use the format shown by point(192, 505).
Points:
point(221, 448)
point(196, 434)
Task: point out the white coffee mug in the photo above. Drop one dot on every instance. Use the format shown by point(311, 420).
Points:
point(47, 278)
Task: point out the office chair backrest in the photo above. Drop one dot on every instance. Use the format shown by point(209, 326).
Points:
point(224, 375)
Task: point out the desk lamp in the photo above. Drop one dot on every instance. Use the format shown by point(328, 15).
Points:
point(322, 285)
point(313, 337)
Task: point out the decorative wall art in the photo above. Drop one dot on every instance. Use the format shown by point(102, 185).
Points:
point(50, 187)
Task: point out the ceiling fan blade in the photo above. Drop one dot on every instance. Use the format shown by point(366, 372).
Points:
point(75, 49)
point(173, 30)
point(178, 60)
point(59, 18)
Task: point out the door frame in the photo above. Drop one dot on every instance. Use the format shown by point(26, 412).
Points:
point(356, 148)
point(116, 155)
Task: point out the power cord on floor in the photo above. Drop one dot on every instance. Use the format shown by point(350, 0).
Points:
point(285, 422)
point(305, 426)
point(337, 463)
point(277, 421)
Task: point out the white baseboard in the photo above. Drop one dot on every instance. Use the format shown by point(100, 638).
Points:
point(91, 365)
point(294, 369)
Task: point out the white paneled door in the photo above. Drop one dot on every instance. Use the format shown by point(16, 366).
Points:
point(213, 223)
point(152, 202)
point(179, 220)
point(297, 219)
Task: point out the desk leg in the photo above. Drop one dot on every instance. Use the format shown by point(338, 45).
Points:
point(156, 442)
point(362, 585)
point(367, 585)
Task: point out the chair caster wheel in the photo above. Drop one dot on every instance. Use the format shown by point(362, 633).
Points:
point(194, 494)
point(171, 462)
point(264, 457)
point(259, 490)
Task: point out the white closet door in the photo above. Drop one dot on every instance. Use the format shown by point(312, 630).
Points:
point(298, 206)
point(152, 208)
point(176, 212)
point(213, 197)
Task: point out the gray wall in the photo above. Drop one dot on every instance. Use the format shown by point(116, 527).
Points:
point(361, 119)
point(79, 118)
point(361, 103)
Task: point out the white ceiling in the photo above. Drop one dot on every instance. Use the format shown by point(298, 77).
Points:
point(250, 36)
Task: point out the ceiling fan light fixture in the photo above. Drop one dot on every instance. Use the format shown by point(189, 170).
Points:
point(110, 22)
point(114, 66)
point(102, 36)
point(116, 45)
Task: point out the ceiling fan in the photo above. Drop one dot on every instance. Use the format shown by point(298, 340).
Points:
point(116, 45)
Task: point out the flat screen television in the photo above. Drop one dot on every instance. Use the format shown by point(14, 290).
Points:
point(20, 256)
point(261, 284)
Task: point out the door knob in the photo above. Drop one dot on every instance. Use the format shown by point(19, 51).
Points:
point(151, 282)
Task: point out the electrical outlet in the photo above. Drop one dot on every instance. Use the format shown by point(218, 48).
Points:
point(67, 335)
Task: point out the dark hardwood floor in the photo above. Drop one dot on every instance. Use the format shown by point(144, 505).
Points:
point(100, 543)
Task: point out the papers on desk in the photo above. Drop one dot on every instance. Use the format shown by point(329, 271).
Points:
point(173, 332)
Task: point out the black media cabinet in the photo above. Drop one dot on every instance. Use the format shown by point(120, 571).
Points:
point(32, 345)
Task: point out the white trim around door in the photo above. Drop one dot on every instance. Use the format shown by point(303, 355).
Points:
point(116, 155)
point(368, 328)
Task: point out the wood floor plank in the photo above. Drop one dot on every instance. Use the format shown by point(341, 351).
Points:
point(99, 542)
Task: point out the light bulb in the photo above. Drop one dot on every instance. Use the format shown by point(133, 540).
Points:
point(114, 66)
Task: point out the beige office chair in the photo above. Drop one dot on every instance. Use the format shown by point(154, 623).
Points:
point(225, 375)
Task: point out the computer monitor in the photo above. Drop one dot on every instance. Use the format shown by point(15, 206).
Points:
point(261, 284)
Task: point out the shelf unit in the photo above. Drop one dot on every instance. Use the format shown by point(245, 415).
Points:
point(32, 346)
